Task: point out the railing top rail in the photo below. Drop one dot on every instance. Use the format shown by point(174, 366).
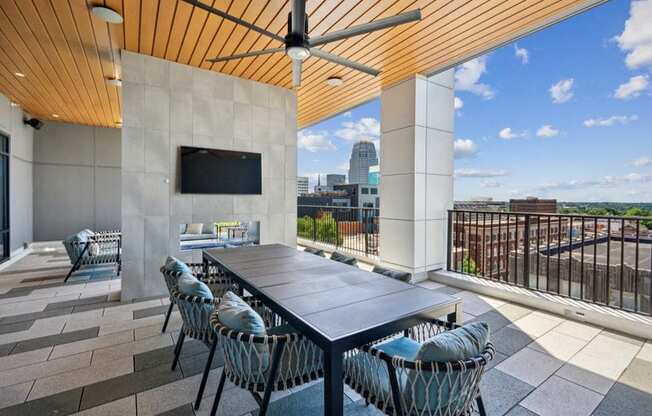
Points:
point(555, 215)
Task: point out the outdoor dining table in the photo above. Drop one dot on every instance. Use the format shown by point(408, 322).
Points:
point(338, 307)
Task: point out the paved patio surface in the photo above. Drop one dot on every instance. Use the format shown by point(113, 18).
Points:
point(76, 349)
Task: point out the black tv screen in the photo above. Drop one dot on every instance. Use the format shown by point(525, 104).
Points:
point(213, 171)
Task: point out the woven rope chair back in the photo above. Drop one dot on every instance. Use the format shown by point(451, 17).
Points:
point(195, 312)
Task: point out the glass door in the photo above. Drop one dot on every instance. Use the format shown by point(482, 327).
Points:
point(4, 198)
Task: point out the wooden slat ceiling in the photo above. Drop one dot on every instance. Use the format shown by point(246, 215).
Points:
point(66, 53)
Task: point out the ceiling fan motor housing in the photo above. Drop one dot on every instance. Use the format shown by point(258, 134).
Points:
point(294, 38)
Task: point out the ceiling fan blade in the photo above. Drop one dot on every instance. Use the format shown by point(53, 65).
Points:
point(296, 72)
point(298, 17)
point(245, 55)
point(234, 19)
point(343, 61)
point(400, 19)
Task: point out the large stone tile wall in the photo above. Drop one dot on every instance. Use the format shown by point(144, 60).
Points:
point(76, 179)
point(167, 105)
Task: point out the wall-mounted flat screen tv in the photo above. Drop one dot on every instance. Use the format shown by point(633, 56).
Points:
point(214, 171)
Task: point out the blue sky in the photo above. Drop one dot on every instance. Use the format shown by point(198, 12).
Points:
point(563, 113)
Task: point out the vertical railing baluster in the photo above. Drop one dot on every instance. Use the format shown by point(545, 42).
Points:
point(608, 289)
point(516, 241)
point(484, 245)
point(638, 231)
point(570, 254)
point(622, 261)
point(595, 258)
point(582, 263)
point(500, 256)
point(538, 252)
point(507, 250)
point(526, 252)
point(449, 239)
point(548, 256)
point(559, 255)
point(491, 245)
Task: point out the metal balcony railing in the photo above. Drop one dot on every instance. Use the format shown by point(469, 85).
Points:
point(596, 259)
point(342, 228)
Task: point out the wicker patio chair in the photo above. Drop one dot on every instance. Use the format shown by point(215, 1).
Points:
point(88, 248)
point(195, 312)
point(278, 361)
point(216, 280)
point(343, 258)
point(399, 386)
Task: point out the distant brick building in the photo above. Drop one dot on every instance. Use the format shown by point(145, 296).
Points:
point(534, 205)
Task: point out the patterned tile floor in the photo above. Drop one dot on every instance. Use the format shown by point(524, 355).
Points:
point(76, 349)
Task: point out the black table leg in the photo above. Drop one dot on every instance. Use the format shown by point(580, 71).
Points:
point(333, 384)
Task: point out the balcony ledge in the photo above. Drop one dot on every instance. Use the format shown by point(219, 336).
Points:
point(617, 320)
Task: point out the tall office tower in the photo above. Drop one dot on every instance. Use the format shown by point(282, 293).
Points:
point(333, 179)
point(363, 156)
point(302, 185)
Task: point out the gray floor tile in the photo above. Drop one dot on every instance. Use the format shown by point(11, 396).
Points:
point(309, 401)
point(630, 339)
point(60, 404)
point(509, 340)
point(155, 310)
point(185, 410)
point(501, 392)
point(494, 319)
point(58, 339)
point(5, 349)
point(449, 290)
point(94, 306)
point(195, 364)
point(76, 302)
point(520, 411)
point(16, 327)
point(625, 400)
point(126, 385)
point(163, 355)
point(638, 375)
point(35, 315)
point(498, 358)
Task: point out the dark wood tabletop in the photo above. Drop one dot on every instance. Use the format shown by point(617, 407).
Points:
point(337, 306)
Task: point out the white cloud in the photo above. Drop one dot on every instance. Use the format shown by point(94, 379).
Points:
point(610, 121)
point(636, 38)
point(508, 134)
point(561, 92)
point(490, 184)
point(367, 128)
point(458, 103)
point(604, 182)
point(642, 161)
point(547, 131)
point(477, 173)
point(314, 142)
point(632, 88)
point(467, 77)
point(347, 114)
point(522, 54)
point(465, 148)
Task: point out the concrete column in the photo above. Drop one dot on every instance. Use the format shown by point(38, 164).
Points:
point(416, 170)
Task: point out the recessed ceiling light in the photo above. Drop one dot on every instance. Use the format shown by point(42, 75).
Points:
point(19, 74)
point(116, 82)
point(334, 81)
point(14, 104)
point(118, 123)
point(55, 115)
point(108, 15)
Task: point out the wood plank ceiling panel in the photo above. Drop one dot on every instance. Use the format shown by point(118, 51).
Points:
point(67, 53)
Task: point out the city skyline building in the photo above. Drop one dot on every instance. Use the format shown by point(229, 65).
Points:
point(303, 186)
point(363, 156)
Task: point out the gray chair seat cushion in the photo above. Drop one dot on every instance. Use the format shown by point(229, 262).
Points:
point(351, 261)
point(402, 276)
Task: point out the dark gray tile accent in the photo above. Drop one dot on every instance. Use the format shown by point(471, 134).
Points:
point(35, 315)
point(58, 339)
point(76, 302)
point(63, 270)
point(509, 340)
point(5, 349)
point(195, 364)
point(59, 404)
point(15, 292)
point(16, 326)
point(154, 310)
point(128, 384)
point(495, 320)
point(625, 400)
point(165, 355)
point(185, 410)
point(498, 358)
point(93, 306)
point(501, 392)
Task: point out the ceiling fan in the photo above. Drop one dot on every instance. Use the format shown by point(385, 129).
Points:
point(299, 46)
